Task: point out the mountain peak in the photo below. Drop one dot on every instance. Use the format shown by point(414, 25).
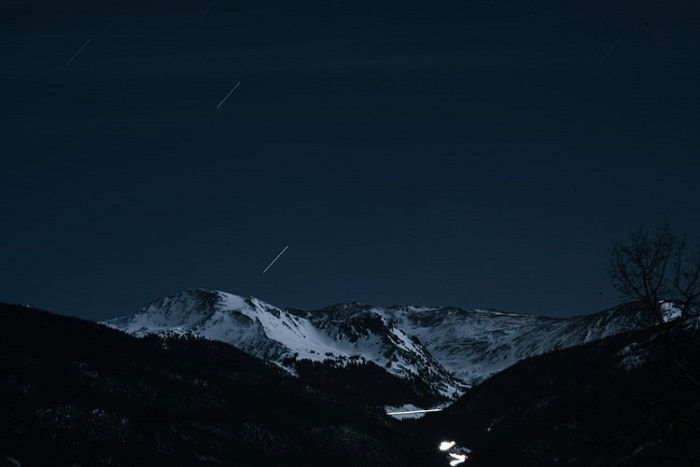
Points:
point(343, 333)
point(448, 348)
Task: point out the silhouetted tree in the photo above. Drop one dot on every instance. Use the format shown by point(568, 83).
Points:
point(656, 267)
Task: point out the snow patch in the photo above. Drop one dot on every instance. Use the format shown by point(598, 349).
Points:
point(633, 356)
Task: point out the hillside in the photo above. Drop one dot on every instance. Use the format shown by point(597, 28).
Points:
point(75, 392)
point(618, 401)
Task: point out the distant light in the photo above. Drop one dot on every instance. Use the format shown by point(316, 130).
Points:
point(446, 445)
point(458, 459)
point(404, 412)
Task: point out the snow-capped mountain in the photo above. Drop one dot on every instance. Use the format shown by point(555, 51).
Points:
point(475, 344)
point(447, 348)
point(344, 334)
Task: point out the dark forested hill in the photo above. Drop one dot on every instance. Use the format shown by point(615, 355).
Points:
point(75, 392)
point(620, 401)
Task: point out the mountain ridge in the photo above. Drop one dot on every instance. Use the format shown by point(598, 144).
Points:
point(448, 348)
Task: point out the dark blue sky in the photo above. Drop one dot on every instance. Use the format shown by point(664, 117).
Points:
point(473, 153)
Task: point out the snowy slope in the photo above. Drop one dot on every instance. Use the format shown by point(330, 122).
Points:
point(282, 336)
point(474, 344)
point(447, 348)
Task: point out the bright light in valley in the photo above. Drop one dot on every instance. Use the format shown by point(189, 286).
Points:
point(404, 412)
point(458, 454)
point(446, 445)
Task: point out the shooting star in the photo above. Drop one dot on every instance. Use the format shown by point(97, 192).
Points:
point(206, 10)
point(229, 93)
point(76, 53)
point(610, 50)
point(276, 258)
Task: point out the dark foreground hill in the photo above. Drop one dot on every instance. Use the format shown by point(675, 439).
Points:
point(620, 401)
point(75, 392)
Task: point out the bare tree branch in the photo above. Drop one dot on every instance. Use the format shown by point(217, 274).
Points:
point(656, 269)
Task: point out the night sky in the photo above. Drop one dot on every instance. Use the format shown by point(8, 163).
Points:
point(474, 153)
